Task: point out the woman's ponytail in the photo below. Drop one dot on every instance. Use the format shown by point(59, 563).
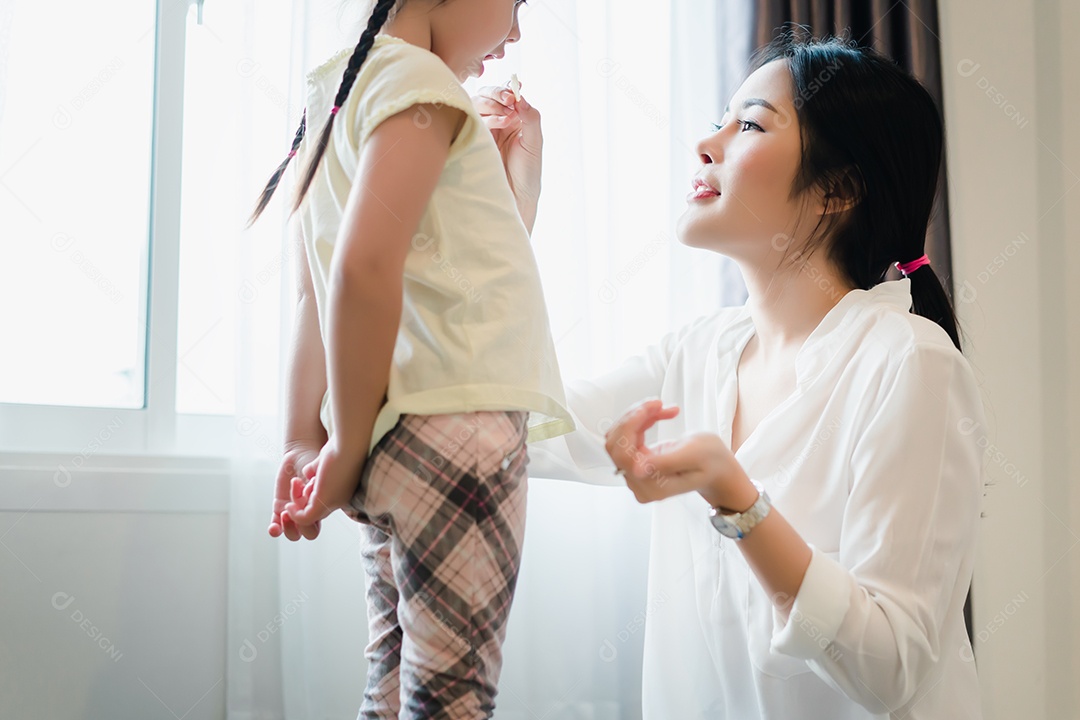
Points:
point(379, 16)
point(928, 298)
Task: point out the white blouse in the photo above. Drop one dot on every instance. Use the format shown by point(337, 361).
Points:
point(871, 459)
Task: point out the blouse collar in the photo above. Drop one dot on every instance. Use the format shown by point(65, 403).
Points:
point(835, 328)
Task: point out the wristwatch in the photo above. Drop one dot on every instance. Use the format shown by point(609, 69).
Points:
point(738, 525)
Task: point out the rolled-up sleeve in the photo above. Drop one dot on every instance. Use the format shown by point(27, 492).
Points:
point(817, 613)
point(595, 406)
point(870, 621)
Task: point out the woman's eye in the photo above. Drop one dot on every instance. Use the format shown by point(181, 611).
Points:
point(744, 125)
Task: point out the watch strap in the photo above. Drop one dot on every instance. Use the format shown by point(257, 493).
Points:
point(744, 522)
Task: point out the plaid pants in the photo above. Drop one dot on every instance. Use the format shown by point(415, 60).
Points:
point(442, 499)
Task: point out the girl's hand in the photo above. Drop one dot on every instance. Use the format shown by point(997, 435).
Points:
point(700, 463)
point(296, 457)
point(333, 477)
point(515, 125)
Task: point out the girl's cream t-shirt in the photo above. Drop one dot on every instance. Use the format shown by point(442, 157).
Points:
point(474, 332)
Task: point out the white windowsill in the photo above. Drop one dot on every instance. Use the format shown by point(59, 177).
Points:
point(50, 482)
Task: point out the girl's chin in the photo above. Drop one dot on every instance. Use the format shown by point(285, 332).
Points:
point(474, 70)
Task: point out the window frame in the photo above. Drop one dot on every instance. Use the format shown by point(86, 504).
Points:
point(155, 428)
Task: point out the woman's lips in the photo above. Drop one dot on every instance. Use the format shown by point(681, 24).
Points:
point(702, 191)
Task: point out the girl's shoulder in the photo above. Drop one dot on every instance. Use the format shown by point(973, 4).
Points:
point(388, 56)
point(393, 76)
point(329, 66)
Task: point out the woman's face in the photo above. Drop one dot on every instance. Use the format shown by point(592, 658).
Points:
point(740, 203)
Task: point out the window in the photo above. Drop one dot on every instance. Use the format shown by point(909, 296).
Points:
point(75, 181)
point(91, 138)
point(236, 98)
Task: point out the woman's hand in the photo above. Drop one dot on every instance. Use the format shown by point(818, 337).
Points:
point(296, 457)
point(700, 463)
point(333, 475)
point(515, 125)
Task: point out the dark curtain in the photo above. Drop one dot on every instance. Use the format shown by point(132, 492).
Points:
point(907, 32)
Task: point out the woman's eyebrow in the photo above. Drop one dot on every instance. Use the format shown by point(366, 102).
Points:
point(750, 102)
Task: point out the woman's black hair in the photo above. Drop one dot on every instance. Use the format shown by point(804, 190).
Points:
point(379, 16)
point(871, 135)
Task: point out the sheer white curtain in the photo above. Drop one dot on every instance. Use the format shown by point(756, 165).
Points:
point(625, 96)
point(295, 626)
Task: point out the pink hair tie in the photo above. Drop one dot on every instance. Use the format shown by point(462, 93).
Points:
point(908, 268)
point(335, 109)
point(292, 153)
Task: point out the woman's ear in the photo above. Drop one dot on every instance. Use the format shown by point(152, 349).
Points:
point(841, 192)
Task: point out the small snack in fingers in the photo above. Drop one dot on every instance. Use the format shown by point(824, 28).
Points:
point(515, 87)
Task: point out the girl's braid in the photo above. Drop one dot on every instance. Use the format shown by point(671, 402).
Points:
point(378, 18)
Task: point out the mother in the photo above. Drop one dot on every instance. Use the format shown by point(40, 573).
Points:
point(843, 597)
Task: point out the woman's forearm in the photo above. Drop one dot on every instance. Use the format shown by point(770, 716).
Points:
point(364, 317)
point(774, 550)
point(779, 557)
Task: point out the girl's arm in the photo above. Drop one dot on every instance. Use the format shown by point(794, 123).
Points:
point(307, 367)
point(304, 432)
point(399, 169)
point(515, 126)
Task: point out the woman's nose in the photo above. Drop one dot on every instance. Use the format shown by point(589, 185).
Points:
point(708, 150)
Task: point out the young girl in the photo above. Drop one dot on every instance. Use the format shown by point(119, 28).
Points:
point(418, 279)
point(818, 476)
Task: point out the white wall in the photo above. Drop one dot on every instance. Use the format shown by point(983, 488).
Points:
point(1011, 88)
point(112, 589)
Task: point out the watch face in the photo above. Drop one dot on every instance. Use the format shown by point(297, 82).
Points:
point(724, 527)
point(738, 525)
